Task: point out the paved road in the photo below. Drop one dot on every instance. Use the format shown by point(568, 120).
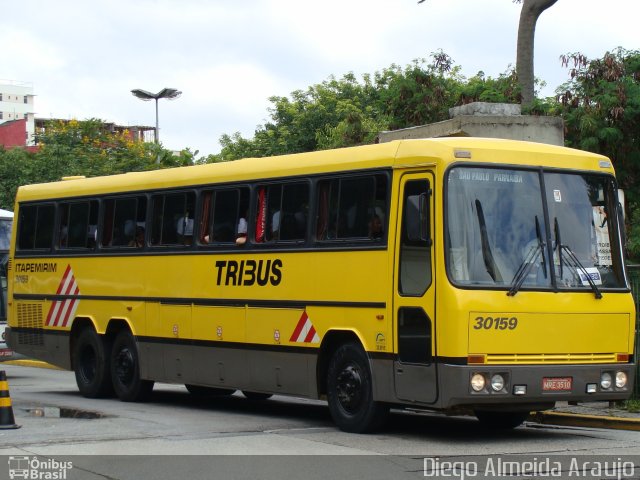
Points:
point(278, 438)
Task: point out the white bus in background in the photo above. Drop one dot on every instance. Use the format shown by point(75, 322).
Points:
point(6, 222)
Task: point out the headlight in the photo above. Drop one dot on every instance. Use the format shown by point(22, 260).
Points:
point(605, 380)
point(477, 382)
point(497, 382)
point(621, 379)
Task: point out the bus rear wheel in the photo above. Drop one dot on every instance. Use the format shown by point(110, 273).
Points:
point(501, 420)
point(91, 364)
point(350, 391)
point(125, 370)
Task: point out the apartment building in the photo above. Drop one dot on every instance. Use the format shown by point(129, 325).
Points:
point(16, 103)
point(18, 124)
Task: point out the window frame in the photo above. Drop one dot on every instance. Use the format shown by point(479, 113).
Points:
point(206, 220)
point(254, 213)
point(103, 212)
point(385, 208)
point(94, 209)
point(20, 222)
point(110, 203)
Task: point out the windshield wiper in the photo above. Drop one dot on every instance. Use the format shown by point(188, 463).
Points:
point(526, 265)
point(574, 262)
point(489, 261)
point(556, 229)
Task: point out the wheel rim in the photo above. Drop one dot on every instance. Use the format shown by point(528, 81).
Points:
point(125, 366)
point(349, 388)
point(88, 364)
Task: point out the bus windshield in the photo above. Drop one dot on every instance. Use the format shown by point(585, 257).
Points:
point(5, 240)
point(5, 234)
point(532, 229)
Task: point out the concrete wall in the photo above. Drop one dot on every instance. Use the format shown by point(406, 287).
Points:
point(487, 120)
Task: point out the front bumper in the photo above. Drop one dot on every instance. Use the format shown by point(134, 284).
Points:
point(524, 385)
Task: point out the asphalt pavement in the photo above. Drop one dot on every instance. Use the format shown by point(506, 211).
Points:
point(588, 414)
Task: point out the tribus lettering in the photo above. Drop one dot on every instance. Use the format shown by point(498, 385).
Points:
point(249, 272)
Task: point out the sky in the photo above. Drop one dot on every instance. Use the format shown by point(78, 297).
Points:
point(229, 56)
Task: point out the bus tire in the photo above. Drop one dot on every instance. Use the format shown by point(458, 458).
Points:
point(257, 395)
point(91, 364)
point(125, 370)
point(200, 391)
point(501, 420)
point(350, 391)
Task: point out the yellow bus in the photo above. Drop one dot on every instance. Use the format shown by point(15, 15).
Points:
point(459, 275)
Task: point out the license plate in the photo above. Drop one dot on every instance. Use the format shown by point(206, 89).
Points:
point(557, 384)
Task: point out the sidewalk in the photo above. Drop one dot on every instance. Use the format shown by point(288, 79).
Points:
point(589, 414)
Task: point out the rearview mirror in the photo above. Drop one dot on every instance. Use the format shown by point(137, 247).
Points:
point(417, 218)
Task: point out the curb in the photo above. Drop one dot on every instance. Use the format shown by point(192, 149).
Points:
point(590, 421)
point(31, 363)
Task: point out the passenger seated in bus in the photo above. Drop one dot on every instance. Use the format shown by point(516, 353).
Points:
point(375, 228)
point(275, 225)
point(124, 236)
point(241, 237)
point(138, 241)
point(184, 228)
point(63, 236)
point(92, 235)
point(288, 228)
point(301, 220)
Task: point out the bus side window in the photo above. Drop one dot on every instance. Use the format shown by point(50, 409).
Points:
point(120, 220)
point(352, 208)
point(35, 227)
point(282, 212)
point(415, 246)
point(76, 220)
point(295, 205)
point(222, 211)
point(173, 219)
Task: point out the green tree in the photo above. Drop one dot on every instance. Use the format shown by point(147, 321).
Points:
point(600, 105)
point(347, 111)
point(15, 166)
point(88, 148)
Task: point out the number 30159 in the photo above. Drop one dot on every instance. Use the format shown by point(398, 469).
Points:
point(495, 323)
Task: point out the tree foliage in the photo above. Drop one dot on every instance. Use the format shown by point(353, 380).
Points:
point(351, 111)
point(600, 105)
point(86, 148)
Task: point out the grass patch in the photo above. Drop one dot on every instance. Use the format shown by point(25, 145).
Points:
point(632, 405)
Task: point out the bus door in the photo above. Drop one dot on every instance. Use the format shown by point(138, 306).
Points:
point(414, 292)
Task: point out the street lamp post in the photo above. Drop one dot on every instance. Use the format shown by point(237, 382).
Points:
point(168, 93)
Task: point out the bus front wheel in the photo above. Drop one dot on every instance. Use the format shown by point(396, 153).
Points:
point(350, 391)
point(91, 364)
point(125, 370)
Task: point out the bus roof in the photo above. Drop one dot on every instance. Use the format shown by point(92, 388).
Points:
point(396, 154)
point(5, 214)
